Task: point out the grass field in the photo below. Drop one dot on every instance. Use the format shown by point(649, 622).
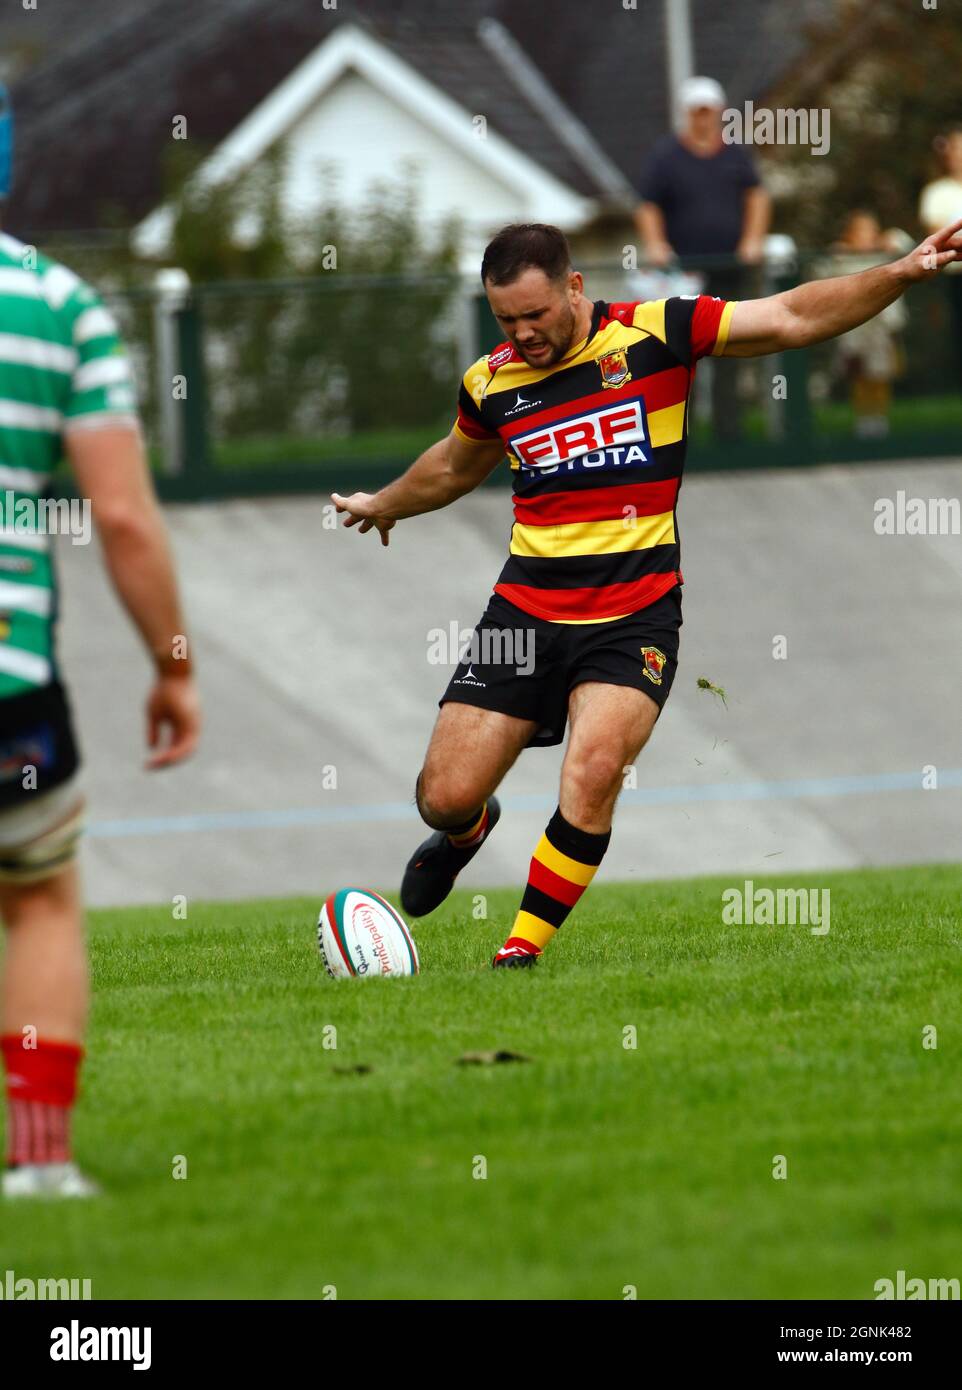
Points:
point(606, 1167)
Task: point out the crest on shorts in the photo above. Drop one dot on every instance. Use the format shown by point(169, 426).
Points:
point(654, 664)
point(614, 367)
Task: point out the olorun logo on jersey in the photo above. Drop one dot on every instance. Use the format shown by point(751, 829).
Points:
point(521, 404)
point(608, 438)
point(614, 367)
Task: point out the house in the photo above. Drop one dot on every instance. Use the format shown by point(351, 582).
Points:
point(362, 109)
point(503, 109)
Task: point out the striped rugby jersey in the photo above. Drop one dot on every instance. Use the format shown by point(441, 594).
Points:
point(62, 366)
point(597, 446)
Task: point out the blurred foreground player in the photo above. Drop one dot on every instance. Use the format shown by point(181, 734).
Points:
point(65, 388)
point(590, 403)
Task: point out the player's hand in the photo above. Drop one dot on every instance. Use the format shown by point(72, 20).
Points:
point(938, 250)
point(659, 254)
point(173, 720)
point(361, 508)
point(751, 250)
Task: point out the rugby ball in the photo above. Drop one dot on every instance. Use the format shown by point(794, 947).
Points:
point(360, 935)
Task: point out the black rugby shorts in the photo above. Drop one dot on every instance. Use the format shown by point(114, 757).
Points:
point(527, 667)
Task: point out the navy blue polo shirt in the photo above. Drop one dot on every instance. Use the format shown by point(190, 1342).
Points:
point(702, 198)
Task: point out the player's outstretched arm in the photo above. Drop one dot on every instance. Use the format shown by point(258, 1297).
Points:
point(444, 472)
point(827, 308)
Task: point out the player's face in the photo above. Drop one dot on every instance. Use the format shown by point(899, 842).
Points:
point(704, 122)
point(863, 232)
point(537, 314)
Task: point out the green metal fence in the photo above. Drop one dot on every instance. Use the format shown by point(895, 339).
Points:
point(305, 385)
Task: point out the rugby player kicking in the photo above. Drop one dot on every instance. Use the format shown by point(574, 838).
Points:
point(589, 402)
point(65, 388)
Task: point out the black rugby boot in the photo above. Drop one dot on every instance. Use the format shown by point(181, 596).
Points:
point(432, 869)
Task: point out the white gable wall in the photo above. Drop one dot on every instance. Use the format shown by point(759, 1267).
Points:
point(362, 135)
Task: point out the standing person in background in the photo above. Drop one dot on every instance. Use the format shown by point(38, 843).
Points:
point(870, 357)
point(65, 389)
point(701, 197)
point(942, 198)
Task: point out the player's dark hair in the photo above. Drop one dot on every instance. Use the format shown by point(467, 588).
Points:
point(525, 245)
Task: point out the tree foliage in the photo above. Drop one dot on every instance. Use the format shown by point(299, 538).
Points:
point(334, 323)
point(889, 74)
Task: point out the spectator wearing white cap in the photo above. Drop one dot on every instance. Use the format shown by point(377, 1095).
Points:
point(703, 198)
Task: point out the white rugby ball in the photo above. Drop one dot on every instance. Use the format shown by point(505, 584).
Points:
point(359, 934)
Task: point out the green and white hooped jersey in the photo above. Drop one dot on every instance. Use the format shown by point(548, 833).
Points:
point(62, 367)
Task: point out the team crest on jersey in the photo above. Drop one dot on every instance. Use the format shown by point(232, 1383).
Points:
point(654, 664)
point(614, 367)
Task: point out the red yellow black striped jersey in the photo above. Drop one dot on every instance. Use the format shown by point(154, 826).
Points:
point(597, 446)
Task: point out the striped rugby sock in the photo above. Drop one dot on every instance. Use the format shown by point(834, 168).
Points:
point(564, 863)
point(41, 1089)
point(472, 832)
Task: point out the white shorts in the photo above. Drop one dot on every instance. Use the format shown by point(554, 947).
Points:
point(39, 837)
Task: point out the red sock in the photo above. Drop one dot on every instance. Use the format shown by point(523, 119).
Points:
point(41, 1089)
